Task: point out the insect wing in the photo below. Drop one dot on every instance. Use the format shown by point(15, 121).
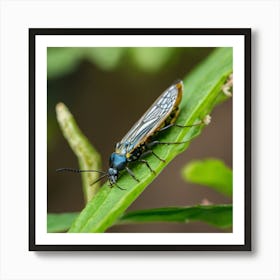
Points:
point(152, 119)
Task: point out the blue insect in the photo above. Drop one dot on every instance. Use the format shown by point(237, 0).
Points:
point(141, 138)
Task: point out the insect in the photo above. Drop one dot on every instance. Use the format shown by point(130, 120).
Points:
point(141, 138)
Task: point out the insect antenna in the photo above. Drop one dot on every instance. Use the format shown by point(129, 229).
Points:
point(97, 180)
point(78, 170)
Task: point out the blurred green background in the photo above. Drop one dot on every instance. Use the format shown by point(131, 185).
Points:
point(107, 90)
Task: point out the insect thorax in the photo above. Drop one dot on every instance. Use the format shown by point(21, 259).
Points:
point(136, 153)
point(118, 161)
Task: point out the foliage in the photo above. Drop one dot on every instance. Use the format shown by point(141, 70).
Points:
point(210, 172)
point(203, 89)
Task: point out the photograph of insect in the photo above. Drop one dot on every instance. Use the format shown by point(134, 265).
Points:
point(127, 131)
point(143, 136)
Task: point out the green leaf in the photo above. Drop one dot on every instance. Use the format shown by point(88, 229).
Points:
point(60, 222)
point(62, 61)
point(88, 157)
point(212, 173)
point(202, 88)
point(151, 59)
point(105, 58)
point(217, 215)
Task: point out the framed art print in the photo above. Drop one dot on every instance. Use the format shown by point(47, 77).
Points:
point(140, 139)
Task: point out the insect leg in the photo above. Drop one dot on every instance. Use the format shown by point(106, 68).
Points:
point(206, 120)
point(132, 174)
point(152, 152)
point(178, 125)
point(111, 186)
point(156, 142)
point(163, 160)
point(98, 179)
point(120, 187)
point(170, 143)
point(148, 165)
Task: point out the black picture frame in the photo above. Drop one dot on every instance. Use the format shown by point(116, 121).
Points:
point(246, 32)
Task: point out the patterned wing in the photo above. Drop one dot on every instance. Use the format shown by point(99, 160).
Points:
point(152, 119)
